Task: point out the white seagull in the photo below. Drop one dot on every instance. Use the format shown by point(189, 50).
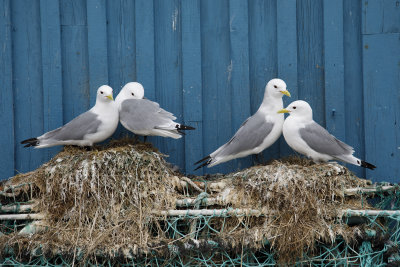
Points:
point(257, 132)
point(144, 117)
point(309, 138)
point(93, 126)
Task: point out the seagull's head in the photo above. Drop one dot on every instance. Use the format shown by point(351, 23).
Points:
point(132, 90)
point(298, 108)
point(104, 94)
point(277, 88)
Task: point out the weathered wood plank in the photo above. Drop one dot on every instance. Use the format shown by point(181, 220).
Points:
point(73, 12)
point(27, 80)
point(144, 30)
point(381, 57)
point(76, 91)
point(51, 69)
point(75, 71)
point(191, 83)
point(263, 55)
point(121, 43)
point(216, 62)
point(97, 46)
point(334, 68)
point(353, 81)
point(168, 67)
point(6, 99)
point(145, 58)
point(239, 69)
point(391, 19)
point(381, 16)
point(287, 56)
point(310, 56)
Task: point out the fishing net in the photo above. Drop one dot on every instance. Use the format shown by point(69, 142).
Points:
point(124, 204)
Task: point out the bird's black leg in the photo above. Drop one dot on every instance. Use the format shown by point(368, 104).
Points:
point(262, 159)
point(144, 139)
point(135, 139)
point(88, 148)
point(259, 159)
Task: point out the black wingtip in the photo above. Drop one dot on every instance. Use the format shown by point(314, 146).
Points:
point(203, 159)
point(367, 165)
point(30, 142)
point(203, 165)
point(206, 160)
point(184, 127)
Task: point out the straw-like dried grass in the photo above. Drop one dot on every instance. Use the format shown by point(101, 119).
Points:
point(101, 200)
point(302, 201)
point(104, 200)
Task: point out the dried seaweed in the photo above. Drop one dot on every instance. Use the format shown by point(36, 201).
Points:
point(105, 201)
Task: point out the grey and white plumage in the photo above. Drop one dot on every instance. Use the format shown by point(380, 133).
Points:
point(145, 117)
point(309, 138)
point(93, 126)
point(258, 132)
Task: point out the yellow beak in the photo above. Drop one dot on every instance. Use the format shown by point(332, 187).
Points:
point(110, 97)
point(286, 92)
point(283, 111)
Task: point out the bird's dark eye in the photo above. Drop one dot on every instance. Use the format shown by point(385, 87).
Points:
point(275, 86)
point(101, 92)
point(294, 107)
point(133, 94)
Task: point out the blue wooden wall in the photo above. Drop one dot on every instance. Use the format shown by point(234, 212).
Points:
point(207, 62)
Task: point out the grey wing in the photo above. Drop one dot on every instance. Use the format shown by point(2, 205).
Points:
point(249, 136)
point(86, 123)
point(143, 114)
point(320, 140)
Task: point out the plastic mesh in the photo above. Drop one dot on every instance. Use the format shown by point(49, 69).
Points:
point(195, 240)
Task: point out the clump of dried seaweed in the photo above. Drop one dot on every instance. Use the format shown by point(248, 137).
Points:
point(101, 200)
point(109, 200)
point(300, 201)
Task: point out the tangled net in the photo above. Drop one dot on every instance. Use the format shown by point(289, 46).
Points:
point(124, 203)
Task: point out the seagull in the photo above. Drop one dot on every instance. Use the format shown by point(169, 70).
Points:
point(145, 117)
point(93, 126)
point(309, 138)
point(257, 132)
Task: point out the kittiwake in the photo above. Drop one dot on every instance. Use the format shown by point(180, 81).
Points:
point(309, 138)
point(145, 117)
point(93, 126)
point(257, 132)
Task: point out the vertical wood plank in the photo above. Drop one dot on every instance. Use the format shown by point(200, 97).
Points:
point(145, 58)
point(216, 62)
point(191, 83)
point(263, 55)
point(287, 56)
point(27, 79)
point(74, 59)
point(121, 48)
point(51, 65)
point(381, 57)
point(372, 16)
point(381, 16)
point(310, 56)
point(239, 69)
point(121, 43)
point(73, 12)
point(144, 30)
point(97, 46)
point(334, 68)
point(391, 19)
point(168, 68)
point(6, 99)
point(353, 80)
